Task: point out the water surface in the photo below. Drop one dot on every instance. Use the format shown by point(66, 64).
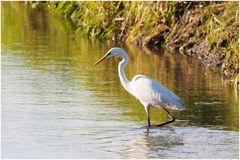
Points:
point(56, 105)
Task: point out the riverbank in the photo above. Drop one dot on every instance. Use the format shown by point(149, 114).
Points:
point(207, 30)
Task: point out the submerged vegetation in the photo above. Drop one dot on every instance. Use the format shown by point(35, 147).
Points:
point(207, 30)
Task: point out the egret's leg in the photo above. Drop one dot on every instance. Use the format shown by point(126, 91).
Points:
point(170, 121)
point(148, 116)
point(147, 108)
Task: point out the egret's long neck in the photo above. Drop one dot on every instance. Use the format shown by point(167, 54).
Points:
point(125, 82)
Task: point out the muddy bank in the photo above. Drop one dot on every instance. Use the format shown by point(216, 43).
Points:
point(211, 34)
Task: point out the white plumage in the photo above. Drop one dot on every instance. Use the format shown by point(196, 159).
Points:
point(148, 91)
point(151, 91)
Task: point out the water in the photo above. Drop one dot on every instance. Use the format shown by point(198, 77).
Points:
point(56, 105)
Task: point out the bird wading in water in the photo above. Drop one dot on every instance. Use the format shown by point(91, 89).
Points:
point(148, 91)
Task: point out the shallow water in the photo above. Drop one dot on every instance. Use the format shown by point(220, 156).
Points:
point(56, 105)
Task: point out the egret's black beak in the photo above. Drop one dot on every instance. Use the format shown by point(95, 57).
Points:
point(103, 58)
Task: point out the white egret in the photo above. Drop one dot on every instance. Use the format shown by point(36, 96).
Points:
point(148, 91)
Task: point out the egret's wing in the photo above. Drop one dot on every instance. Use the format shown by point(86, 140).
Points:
point(154, 93)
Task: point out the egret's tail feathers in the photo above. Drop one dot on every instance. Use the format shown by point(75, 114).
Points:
point(178, 106)
point(181, 106)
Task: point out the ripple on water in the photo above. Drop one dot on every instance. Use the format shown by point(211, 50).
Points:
point(182, 142)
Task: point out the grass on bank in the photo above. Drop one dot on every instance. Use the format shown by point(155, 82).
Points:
point(185, 25)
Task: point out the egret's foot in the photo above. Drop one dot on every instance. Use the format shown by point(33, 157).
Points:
point(169, 115)
point(162, 124)
point(154, 126)
point(149, 125)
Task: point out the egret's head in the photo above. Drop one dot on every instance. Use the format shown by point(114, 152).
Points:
point(109, 54)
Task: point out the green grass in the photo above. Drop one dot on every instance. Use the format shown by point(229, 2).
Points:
point(183, 25)
point(118, 20)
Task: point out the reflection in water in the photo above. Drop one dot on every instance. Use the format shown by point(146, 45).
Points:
point(56, 105)
point(175, 142)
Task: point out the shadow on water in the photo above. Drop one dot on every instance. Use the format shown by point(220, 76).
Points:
point(56, 105)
